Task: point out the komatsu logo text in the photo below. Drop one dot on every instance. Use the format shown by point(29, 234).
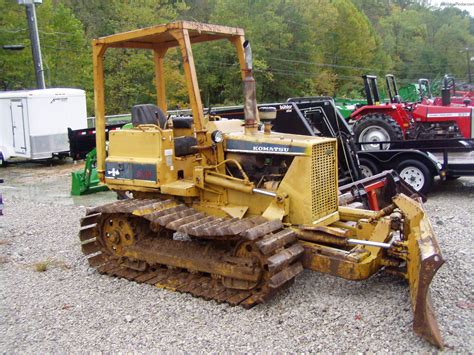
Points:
point(236, 145)
point(259, 148)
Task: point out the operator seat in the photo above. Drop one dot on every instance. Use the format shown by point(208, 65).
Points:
point(152, 114)
point(148, 114)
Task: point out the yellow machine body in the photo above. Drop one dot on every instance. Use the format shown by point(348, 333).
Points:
point(143, 159)
point(263, 204)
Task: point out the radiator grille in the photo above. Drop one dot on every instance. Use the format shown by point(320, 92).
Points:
point(323, 180)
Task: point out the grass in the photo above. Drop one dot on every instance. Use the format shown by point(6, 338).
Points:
point(44, 265)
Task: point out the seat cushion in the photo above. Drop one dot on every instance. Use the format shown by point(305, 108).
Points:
point(185, 146)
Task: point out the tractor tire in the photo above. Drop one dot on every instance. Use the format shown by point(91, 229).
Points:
point(376, 128)
point(416, 174)
point(368, 168)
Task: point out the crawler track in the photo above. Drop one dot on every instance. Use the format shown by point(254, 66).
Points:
point(237, 261)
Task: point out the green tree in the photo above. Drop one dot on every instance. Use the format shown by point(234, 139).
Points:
point(352, 47)
point(301, 47)
point(65, 51)
point(129, 73)
point(16, 67)
point(426, 42)
point(297, 50)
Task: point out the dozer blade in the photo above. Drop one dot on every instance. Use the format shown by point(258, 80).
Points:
point(423, 261)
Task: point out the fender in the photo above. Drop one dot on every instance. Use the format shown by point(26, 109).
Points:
point(2, 161)
point(364, 110)
point(4, 154)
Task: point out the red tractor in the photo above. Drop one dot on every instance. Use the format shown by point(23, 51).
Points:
point(397, 120)
point(457, 97)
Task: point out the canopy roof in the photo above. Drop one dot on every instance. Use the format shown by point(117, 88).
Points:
point(159, 36)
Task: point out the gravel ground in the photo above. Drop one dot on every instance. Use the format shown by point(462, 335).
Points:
point(71, 308)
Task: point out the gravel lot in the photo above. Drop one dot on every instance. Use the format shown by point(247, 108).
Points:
point(71, 308)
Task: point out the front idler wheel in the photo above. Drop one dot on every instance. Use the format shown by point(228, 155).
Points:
point(118, 233)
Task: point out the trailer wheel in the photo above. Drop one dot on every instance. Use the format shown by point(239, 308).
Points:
point(377, 128)
point(368, 167)
point(416, 174)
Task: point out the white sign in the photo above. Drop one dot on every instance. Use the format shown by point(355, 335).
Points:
point(114, 172)
point(449, 114)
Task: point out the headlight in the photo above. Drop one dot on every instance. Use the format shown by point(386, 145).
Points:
point(217, 136)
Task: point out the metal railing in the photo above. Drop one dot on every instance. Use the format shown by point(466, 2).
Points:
point(127, 117)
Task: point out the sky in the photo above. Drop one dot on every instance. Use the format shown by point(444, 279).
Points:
point(467, 5)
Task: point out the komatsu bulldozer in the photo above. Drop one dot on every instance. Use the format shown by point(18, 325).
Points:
point(230, 211)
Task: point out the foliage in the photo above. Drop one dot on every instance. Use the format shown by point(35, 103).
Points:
point(129, 73)
point(64, 49)
point(301, 47)
point(423, 41)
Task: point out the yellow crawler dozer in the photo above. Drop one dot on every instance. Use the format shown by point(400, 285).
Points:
point(229, 211)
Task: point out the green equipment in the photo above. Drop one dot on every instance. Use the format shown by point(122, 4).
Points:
point(87, 181)
point(347, 106)
point(409, 92)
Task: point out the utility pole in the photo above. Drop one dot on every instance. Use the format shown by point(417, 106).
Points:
point(468, 57)
point(468, 65)
point(35, 42)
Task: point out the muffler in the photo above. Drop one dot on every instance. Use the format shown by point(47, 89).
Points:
point(250, 94)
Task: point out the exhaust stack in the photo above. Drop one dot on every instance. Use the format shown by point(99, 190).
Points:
point(446, 91)
point(250, 94)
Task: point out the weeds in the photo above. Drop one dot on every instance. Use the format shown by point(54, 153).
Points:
point(44, 265)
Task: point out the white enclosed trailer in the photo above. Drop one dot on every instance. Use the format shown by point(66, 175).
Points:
point(34, 123)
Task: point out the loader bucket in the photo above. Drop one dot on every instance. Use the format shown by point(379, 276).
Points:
point(84, 185)
point(87, 181)
point(423, 261)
